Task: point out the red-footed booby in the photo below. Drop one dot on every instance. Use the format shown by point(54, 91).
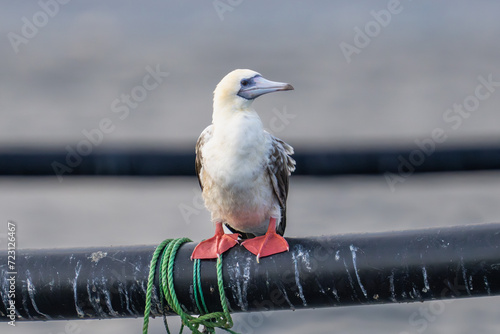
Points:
point(243, 170)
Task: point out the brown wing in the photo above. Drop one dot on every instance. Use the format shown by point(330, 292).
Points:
point(198, 163)
point(280, 166)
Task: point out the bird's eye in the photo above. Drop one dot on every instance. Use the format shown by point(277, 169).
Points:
point(244, 82)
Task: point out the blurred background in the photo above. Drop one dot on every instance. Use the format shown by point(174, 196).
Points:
point(368, 74)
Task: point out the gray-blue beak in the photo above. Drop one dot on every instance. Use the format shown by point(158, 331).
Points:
point(257, 86)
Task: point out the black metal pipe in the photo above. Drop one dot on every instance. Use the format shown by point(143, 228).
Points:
point(146, 162)
point(340, 270)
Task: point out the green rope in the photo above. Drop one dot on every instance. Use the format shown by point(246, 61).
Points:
point(166, 251)
point(223, 300)
point(198, 293)
point(149, 291)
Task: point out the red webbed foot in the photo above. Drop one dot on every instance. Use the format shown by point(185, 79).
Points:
point(212, 248)
point(268, 244)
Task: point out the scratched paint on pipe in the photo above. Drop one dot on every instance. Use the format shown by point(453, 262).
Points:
point(240, 278)
point(78, 267)
point(32, 294)
point(487, 285)
point(297, 279)
point(351, 282)
point(285, 295)
point(464, 276)
point(426, 280)
point(303, 254)
point(392, 287)
point(353, 253)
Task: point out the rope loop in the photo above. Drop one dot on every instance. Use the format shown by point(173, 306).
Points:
point(164, 256)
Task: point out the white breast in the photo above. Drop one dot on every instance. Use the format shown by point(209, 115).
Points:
point(236, 185)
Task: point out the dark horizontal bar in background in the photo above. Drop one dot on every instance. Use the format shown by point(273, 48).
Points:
point(327, 271)
point(181, 163)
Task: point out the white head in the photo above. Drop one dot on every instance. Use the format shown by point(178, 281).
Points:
point(237, 90)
